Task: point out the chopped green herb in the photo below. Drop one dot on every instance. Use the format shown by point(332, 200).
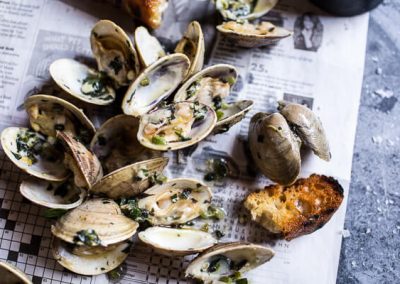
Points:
point(131, 209)
point(231, 80)
point(94, 86)
point(141, 174)
point(17, 156)
point(54, 213)
point(242, 281)
point(220, 114)
point(199, 112)
point(213, 213)
point(174, 198)
point(145, 82)
point(192, 90)
point(178, 133)
point(205, 227)
point(216, 262)
point(219, 234)
point(157, 178)
point(116, 65)
point(116, 273)
point(158, 140)
point(87, 237)
point(185, 193)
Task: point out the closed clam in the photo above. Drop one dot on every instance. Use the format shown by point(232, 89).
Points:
point(244, 9)
point(33, 153)
point(116, 145)
point(49, 114)
point(252, 35)
point(83, 163)
point(176, 126)
point(12, 275)
point(114, 52)
point(155, 84)
point(177, 242)
point(100, 219)
point(60, 195)
point(274, 147)
point(148, 47)
point(192, 45)
point(176, 201)
point(130, 180)
point(82, 82)
point(307, 126)
point(223, 261)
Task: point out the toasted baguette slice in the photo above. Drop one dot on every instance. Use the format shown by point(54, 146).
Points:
point(296, 210)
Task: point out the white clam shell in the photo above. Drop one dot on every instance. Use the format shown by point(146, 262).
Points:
point(44, 193)
point(70, 74)
point(12, 275)
point(43, 169)
point(147, 46)
point(164, 211)
point(155, 84)
point(177, 242)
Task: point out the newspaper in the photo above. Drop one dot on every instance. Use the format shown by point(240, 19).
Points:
point(321, 66)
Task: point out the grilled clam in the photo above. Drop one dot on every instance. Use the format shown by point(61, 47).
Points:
point(116, 145)
point(49, 114)
point(222, 261)
point(307, 126)
point(176, 126)
point(176, 201)
point(57, 195)
point(12, 275)
point(274, 148)
point(148, 47)
point(98, 222)
point(177, 242)
point(192, 45)
point(210, 87)
point(253, 35)
point(244, 9)
point(83, 163)
point(130, 180)
point(34, 153)
point(114, 52)
point(155, 84)
point(82, 82)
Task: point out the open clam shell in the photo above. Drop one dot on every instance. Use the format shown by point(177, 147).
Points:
point(176, 201)
point(12, 275)
point(244, 9)
point(308, 127)
point(81, 82)
point(155, 84)
point(116, 145)
point(192, 45)
point(33, 153)
point(101, 215)
point(93, 264)
point(49, 114)
point(232, 114)
point(114, 52)
point(176, 126)
point(177, 242)
point(228, 258)
point(148, 47)
point(274, 148)
point(83, 163)
point(130, 180)
point(63, 195)
point(253, 35)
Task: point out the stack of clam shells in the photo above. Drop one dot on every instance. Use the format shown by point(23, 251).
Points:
point(106, 182)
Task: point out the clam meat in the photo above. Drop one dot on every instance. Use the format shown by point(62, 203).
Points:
point(244, 9)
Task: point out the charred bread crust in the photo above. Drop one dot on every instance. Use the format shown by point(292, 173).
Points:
point(298, 209)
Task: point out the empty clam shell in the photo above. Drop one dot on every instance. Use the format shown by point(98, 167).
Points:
point(244, 9)
point(223, 260)
point(192, 45)
point(274, 148)
point(116, 145)
point(308, 127)
point(155, 84)
point(63, 195)
point(81, 82)
point(33, 153)
point(177, 242)
point(12, 275)
point(176, 126)
point(114, 52)
point(147, 46)
point(176, 201)
point(101, 215)
point(130, 180)
point(92, 264)
point(49, 114)
point(83, 163)
point(253, 35)
point(232, 114)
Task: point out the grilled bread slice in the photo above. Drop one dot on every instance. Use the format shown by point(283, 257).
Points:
point(298, 209)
